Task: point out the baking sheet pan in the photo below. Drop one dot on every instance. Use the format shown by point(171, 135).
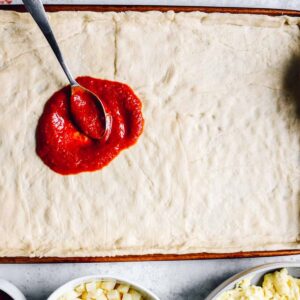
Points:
point(155, 257)
point(207, 9)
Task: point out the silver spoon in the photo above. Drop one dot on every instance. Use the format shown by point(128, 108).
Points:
point(37, 11)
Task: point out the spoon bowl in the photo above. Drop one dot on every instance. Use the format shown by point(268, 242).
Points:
point(89, 113)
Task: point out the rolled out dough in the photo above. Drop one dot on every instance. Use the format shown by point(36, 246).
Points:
point(217, 167)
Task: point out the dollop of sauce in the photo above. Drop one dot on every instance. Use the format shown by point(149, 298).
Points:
point(66, 137)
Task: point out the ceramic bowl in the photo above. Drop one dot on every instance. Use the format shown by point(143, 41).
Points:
point(11, 290)
point(73, 283)
point(256, 275)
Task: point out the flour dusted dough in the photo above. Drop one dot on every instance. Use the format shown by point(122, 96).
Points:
point(217, 167)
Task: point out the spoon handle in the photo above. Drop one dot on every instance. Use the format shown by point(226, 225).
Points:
point(37, 11)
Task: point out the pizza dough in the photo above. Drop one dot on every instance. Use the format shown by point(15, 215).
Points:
point(217, 167)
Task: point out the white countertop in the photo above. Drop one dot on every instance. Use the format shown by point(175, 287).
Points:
point(178, 280)
point(284, 4)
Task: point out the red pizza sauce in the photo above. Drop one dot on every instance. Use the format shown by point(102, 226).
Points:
point(67, 137)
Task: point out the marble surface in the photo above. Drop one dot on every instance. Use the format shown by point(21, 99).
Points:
point(284, 4)
point(178, 280)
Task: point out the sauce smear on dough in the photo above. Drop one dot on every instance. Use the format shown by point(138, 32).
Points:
point(66, 137)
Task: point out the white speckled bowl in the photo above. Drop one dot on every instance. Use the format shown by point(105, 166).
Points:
point(256, 275)
point(11, 290)
point(73, 283)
